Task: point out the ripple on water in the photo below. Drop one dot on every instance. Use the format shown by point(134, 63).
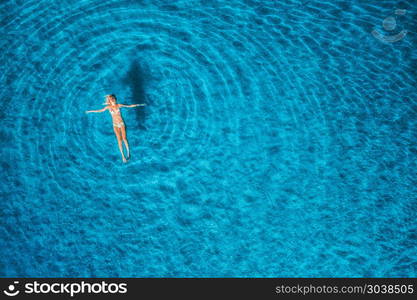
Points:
point(264, 123)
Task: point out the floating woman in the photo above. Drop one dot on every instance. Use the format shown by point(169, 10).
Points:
point(118, 124)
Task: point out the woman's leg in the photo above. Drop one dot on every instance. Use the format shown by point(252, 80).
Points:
point(123, 130)
point(119, 141)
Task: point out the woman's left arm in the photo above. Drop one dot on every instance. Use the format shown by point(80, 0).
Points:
point(132, 105)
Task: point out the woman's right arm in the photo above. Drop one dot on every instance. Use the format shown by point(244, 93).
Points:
point(99, 110)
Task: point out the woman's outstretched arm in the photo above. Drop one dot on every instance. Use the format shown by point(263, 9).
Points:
point(99, 110)
point(132, 105)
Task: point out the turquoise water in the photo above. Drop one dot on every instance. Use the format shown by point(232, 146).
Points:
point(279, 139)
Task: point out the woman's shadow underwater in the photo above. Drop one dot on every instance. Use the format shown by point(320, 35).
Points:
point(135, 80)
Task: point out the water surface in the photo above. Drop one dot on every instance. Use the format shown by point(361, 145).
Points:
point(279, 139)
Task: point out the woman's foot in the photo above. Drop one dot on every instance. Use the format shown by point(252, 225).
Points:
point(127, 149)
point(124, 159)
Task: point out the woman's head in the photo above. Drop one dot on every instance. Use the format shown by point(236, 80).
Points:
point(110, 99)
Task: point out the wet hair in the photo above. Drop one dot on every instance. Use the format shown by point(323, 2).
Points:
point(112, 96)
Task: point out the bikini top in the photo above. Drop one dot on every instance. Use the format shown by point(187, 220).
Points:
point(114, 111)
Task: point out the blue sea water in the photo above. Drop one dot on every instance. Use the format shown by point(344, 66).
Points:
point(279, 138)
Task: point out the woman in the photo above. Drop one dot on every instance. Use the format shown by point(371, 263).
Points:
point(118, 124)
